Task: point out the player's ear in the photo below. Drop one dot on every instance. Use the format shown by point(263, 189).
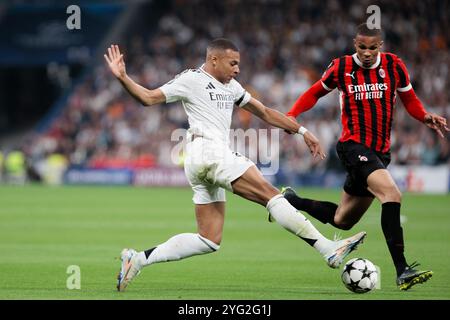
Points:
point(214, 60)
point(381, 44)
point(354, 43)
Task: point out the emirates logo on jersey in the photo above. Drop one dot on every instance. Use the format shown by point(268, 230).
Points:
point(367, 87)
point(223, 101)
point(367, 90)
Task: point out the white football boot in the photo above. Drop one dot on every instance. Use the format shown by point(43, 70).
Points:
point(340, 249)
point(130, 268)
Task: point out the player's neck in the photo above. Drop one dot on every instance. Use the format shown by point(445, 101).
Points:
point(373, 66)
point(209, 69)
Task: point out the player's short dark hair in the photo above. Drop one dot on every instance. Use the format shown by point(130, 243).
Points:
point(222, 44)
point(364, 30)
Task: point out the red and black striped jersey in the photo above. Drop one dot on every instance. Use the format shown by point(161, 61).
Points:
point(367, 97)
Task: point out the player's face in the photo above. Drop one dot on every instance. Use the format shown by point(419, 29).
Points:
point(227, 65)
point(367, 49)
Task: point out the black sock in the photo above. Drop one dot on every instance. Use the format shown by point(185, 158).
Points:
point(149, 252)
point(393, 233)
point(321, 210)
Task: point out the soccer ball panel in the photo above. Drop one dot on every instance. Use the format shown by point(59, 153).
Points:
point(356, 275)
point(374, 277)
point(346, 277)
point(359, 264)
point(370, 266)
point(365, 283)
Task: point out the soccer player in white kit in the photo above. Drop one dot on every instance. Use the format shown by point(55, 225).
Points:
point(208, 95)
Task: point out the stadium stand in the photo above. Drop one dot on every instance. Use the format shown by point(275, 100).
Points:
point(285, 46)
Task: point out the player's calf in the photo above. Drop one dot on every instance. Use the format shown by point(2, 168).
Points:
point(324, 211)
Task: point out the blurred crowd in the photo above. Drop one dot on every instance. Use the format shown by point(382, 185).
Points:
point(285, 46)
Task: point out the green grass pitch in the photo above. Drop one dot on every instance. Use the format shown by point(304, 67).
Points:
point(44, 230)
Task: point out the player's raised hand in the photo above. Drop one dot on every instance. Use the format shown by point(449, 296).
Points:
point(115, 61)
point(437, 123)
point(314, 146)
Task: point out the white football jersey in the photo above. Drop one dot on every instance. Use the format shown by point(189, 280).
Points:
point(208, 102)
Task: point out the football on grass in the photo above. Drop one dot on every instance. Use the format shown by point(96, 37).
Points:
point(359, 275)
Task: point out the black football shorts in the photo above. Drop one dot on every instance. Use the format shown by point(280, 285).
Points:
point(359, 162)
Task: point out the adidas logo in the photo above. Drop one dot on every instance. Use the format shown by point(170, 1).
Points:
point(210, 86)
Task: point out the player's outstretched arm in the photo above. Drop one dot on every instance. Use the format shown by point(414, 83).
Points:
point(308, 99)
point(279, 120)
point(117, 66)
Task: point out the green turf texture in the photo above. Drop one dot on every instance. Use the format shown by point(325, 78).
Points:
point(44, 230)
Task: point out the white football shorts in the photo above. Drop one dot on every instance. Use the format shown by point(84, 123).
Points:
point(210, 167)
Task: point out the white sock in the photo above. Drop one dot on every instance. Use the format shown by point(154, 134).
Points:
point(293, 221)
point(178, 247)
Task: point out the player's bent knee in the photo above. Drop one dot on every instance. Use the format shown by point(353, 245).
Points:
point(391, 195)
point(398, 196)
point(343, 225)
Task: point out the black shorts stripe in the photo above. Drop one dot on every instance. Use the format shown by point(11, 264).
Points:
point(373, 112)
point(343, 88)
point(360, 109)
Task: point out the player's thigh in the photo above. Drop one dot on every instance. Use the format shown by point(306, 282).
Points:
point(382, 185)
point(360, 162)
point(350, 210)
point(210, 220)
point(253, 186)
point(205, 193)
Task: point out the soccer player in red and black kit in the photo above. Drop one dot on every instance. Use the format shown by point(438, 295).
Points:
point(367, 82)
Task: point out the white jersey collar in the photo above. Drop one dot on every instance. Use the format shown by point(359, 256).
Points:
point(359, 63)
point(203, 70)
point(211, 76)
point(208, 74)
